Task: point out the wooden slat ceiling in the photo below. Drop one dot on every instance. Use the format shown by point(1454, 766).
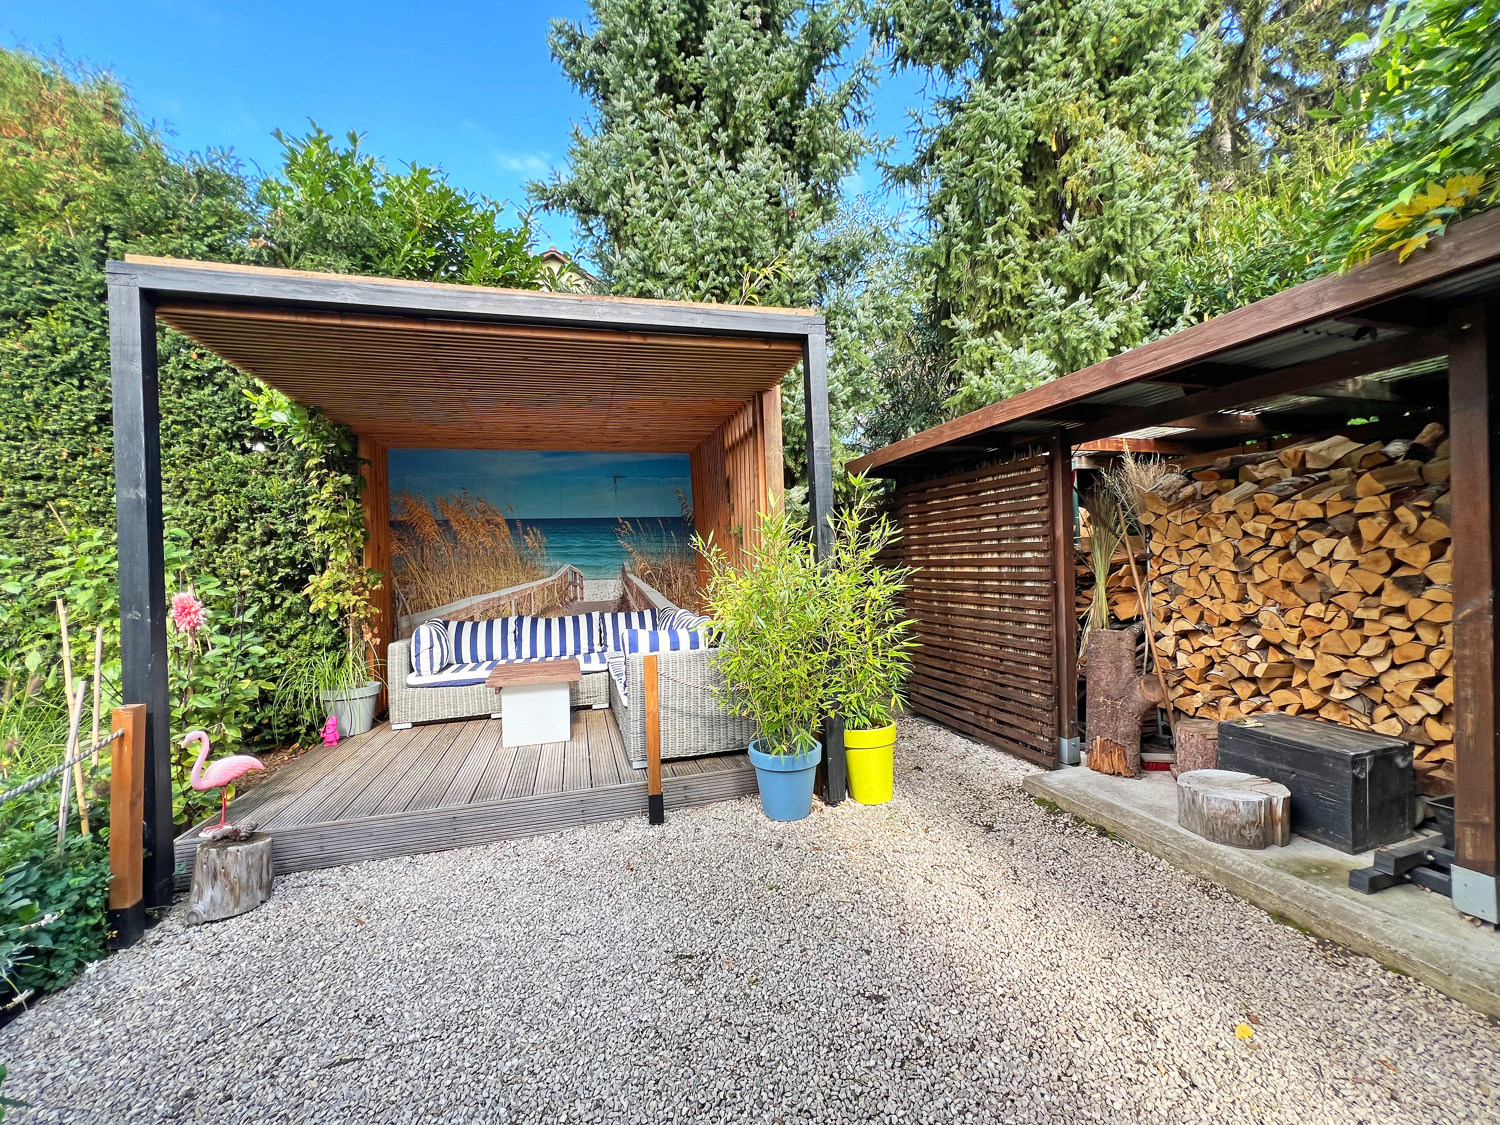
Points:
point(425, 382)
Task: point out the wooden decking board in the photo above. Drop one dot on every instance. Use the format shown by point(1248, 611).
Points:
point(291, 781)
point(446, 770)
point(317, 776)
point(476, 770)
point(550, 762)
point(522, 779)
point(430, 772)
point(416, 757)
point(577, 772)
point(433, 787)
point(604, 769)
point(328, 796)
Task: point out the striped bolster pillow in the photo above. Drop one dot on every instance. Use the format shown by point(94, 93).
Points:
point(685, 619)
point(472, 641)
point(551, 637)
point(613, 626)
point(429, 648)
point(663, 640)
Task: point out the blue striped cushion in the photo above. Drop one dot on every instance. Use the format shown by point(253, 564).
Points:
point(429, 648)
point(614, 625)
point(557, 636)
point(472, 641)
point(455, 675)
point(685, 619)
point(663, 640)
point(616, 662)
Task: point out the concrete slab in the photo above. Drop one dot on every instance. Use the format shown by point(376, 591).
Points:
point(1403, 928)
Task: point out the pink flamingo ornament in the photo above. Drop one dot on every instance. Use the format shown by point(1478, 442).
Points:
point(219, 775)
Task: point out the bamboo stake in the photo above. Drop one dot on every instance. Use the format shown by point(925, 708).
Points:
point(98, 691)
point(75, 716)
point(67, 658)
point(1143, 596)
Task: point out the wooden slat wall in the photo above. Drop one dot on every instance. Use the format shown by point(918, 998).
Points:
point(732, 475)
point(376, 502)
point(983, 599)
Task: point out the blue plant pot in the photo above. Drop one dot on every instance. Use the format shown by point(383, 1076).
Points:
point(786, 781)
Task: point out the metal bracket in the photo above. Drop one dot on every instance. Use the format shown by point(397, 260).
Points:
point(1476, 894)
point(1070, 751)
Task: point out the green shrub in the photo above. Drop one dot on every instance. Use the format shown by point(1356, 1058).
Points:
point(771, 612)
point(52, 907)
point(869, 632)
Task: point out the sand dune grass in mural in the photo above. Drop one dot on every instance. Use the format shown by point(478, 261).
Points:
point(663, 556)
point(457, 546)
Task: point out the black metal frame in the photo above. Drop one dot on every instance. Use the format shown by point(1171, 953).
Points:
point(135, 289)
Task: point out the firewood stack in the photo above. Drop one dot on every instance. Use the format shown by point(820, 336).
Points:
point(1312, 579)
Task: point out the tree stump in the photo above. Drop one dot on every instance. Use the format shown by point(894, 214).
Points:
point(229, 878)
point(1118, 696)
point(1238, 809)
point(1197, 746)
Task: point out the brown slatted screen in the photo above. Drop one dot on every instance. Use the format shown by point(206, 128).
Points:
point(983, 601)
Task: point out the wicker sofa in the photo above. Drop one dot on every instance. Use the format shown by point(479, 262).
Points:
point(692, 722)
point(434, 704)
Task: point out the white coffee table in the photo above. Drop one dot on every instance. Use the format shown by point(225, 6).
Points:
point(534, 700)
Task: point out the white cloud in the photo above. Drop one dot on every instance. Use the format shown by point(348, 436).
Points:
point(524, 163)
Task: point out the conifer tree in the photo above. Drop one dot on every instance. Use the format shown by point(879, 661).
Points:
point(1055, 174)
point(719, 137)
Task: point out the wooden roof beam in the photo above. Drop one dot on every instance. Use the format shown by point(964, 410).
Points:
point(1288, 380)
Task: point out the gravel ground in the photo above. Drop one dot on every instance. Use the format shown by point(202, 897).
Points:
point(961, 954)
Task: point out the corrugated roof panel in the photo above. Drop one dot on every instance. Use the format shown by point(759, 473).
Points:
point(1304, 345)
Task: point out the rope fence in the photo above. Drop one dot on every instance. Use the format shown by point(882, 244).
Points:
point(56, 771)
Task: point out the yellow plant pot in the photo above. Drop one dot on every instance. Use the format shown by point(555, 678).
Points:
point(871, 757)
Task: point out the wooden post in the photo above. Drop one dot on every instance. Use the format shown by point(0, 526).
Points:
point(820, 513)
point(143, 572)
point(127, 814)
point(656, 811)
point(1065, 623)
point(375, 502)
point(1474, 431)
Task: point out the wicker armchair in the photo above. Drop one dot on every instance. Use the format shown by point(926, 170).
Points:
point(443, 704)
point(693, 723)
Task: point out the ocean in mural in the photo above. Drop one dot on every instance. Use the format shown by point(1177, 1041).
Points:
point(573, 502)
point(593, 545)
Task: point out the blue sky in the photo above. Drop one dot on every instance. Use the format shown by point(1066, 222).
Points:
point(469, 87)
point(527, 485)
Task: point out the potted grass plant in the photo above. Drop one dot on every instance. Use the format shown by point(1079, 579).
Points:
point(770, 610)
point(871, 643)
point(335, 682)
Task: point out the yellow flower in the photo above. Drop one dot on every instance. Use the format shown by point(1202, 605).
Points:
point(1244, 1031)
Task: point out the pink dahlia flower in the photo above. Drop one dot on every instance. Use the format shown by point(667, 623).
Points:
point(188, 613)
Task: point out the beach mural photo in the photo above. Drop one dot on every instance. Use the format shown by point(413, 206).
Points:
point(473, 521)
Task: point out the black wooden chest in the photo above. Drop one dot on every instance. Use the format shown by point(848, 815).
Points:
point(1350, 789)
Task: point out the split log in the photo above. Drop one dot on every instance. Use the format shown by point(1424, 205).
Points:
point(1197, 746)
point(229, 877)
point(1324, 591)
point(1232, 808)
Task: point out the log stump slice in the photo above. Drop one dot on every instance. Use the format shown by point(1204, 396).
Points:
point(1238, 809)
point(229, 877)
point(1197, 746)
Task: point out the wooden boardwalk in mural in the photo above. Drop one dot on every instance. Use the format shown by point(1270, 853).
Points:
point(448, 785)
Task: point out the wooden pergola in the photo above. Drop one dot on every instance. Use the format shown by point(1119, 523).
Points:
point(987, 499)
point(425, 365)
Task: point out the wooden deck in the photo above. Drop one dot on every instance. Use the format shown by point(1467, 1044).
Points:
point(447, 785)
